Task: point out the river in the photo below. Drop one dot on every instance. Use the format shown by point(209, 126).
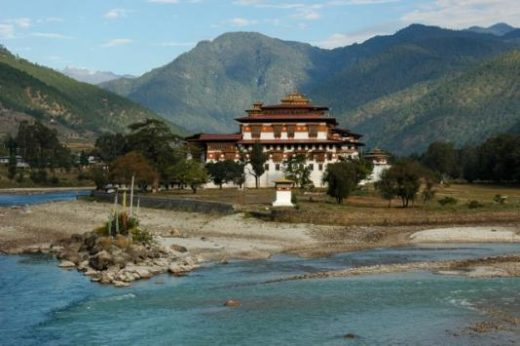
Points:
point(41, 304)
point(28, 198)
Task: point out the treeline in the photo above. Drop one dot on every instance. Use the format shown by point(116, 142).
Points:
point(150, 153)
point(495, 160)
point(40, 148)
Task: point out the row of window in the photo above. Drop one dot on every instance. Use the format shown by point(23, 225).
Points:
point(277, 167)
point(302, 147)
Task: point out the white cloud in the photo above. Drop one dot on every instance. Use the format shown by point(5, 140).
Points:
point(6, 31)
point(49, 20)
point(117, 42)
point(459, 14)
point(359, 2)
point(50, 35)
point(20, 22)
point(115, 13)
point(238, 21)
point(307, 13)
point(164, 1)
point(345, 39)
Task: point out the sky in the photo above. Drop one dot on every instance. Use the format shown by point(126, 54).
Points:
point(135, 36)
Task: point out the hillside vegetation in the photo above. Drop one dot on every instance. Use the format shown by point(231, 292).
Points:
point(464, 108)
point(206, 88)
point(78, 110)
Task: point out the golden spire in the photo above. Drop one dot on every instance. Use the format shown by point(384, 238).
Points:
point(295, 98)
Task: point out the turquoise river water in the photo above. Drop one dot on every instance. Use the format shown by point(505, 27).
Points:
point(43, 305)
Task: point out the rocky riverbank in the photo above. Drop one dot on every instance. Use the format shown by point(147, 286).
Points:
point(496, 266)
point(120, 260)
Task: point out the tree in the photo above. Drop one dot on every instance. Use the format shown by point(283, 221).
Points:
point(153, 138)
point(41, 149)
point(441, 157)
point(222, 172)
point(257, 159)
point(402, 180)
point(10, 143)
point(133, 164)
point(296, 169)
point(189, 173)
point(343, 177)
point(110, 146)
point(83, 159)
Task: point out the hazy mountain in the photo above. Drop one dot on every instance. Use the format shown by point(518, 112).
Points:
point(207, 87)
point(90, 76)
point(498, 29)
point(461, 108)
point(79, 111)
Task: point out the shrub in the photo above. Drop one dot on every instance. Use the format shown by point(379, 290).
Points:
point(500, 199)
point(475, 204)
point(142, 236)
point(105, 242)
point(448, 201)
point(120, 223)
point(39, 176)
point(121, 241)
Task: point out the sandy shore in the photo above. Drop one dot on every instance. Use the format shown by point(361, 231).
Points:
point(217, 237)
point(473, 234)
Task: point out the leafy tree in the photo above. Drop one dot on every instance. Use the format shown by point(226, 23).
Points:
point(222, 172)
point(83, 159)
point(40, 147)
point(217, 171)
point(100, 176)
point(402, 180)
point(133, 164)
point(296, 169)
point(110, 146)
point(154, 139)
point(441, 157)
point(257, 159)
point(343, 177)
point(189, 173)
point(10, 143)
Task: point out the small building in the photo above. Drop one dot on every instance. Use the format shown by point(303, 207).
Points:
point(20, 163)
point(380, 161)
point(294, 126)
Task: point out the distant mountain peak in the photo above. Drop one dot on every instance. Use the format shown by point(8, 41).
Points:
point(91, 76)
point(498, 29)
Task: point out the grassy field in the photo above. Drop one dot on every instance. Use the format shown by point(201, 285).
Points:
point(65, 179)
point(367, 208)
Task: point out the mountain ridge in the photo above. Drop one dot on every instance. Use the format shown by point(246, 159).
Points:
point(206, 88)
point(79, 111)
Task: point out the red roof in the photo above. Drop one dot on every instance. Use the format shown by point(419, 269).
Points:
point(285, 117)
point(216, 137)
point(298, 141)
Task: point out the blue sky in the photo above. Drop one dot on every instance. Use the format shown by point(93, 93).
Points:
point(135, 36)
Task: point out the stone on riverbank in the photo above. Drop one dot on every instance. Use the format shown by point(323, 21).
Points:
point(119, 260)
point(232, 303)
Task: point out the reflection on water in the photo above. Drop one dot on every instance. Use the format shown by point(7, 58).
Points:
point(16, 199)
point(40, 304)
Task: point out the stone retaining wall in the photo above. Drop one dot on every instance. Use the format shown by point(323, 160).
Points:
point(171, 203)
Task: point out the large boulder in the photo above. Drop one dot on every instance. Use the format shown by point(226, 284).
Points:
point(101, 261)
point(232, 303)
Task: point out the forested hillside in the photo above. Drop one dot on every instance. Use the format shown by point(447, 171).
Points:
point(78, 110)
point(206, 88)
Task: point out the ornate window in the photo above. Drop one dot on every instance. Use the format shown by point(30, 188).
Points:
point(290, 131)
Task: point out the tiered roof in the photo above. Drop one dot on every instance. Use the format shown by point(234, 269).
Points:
point(293, 107)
